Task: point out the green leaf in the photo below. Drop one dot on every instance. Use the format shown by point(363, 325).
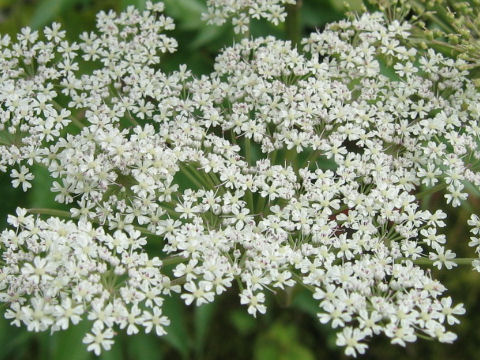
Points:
point(354, 5)
point(177, 334)
point(262, 28)
point(39, 196)
point(206, 35)
point(387, 70)
point(304, 302)
point(243, 322)
point(139, 4)
point(13, 340)
point(145, 347)
point(6, 3)
point(11, 198)
point(67, 345)
point(202, 322)
point(186, 12)
point(281, 343)
point(116, 352)
point(319, 12)
point(46, 11)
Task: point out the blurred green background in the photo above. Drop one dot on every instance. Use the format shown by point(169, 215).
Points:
point(222, 330)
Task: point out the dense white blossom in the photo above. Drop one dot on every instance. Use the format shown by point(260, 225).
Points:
point(241, 11)
point(283, 167)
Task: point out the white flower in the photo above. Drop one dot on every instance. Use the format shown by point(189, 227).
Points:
point(155, 321)
point(68, 312)
point(99, 339)
point(350, 338)
point(254, 302)
point(201, 294)
point(448, 312)
point(22, 177)
point(399, 334)
point(218, 11)
point(438, 331)
point(442, 258)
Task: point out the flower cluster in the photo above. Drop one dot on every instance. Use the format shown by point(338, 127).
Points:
point(241, 11)
point(32, 69)
point(111, 273)
point(474, 222)
point(450, 26)
point(281, 168)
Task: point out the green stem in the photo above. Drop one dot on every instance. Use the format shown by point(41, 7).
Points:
point(312, 157)
point(180, 281)
point(300, 281)
point(191, 177)
point(171, 212)
point(144, 230)
point(261, 205)
point(431, 190)
point(273, 157)
point(207, 180)
point(173, 260)
point(51, 212)
point(250, 200)
point(248, 151)
point(293, 23)
point(425, 261)
point(436, 19)
point(291, 157)
point(239, 283)
point(215, 178)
